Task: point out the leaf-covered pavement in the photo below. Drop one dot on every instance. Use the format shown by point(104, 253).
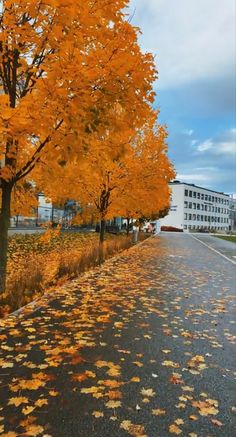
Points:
point(142, 346)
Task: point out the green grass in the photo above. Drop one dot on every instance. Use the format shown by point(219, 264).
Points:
point(227, 237)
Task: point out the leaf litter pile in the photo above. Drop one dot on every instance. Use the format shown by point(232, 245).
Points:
point(142, 346)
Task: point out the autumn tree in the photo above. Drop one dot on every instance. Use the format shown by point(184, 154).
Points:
point(122, 175)
point(147, 191)
point(63, 67)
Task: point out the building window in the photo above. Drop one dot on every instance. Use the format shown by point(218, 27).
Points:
point(190, 193)
point(186, 192)
point(213, 199)
point(190, 205)
point(198, 205)
point(185, 216)
point(194, 205)
point(185, 204)
point(190, 216)
point(202, 196)
point(198, 195)
point(194, 194)
point(206, 197)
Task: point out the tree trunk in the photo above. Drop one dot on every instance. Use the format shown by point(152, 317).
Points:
point(4, 224)
point(127, 230)
point(101, 241)
point(102, 231)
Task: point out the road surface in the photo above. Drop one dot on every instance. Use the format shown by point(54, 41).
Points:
point(142, 346)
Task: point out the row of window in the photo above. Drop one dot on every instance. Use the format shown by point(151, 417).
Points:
point(205, 218)
point(196, 227)
point(207, 197)
point(202, 207)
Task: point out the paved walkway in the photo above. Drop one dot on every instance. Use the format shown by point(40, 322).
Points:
point(143, 346)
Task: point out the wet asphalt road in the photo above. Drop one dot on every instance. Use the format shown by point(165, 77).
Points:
point(142, 346)
point(224, 247)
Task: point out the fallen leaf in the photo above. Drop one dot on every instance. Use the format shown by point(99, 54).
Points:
point(113, 404)
point(18, 401)
point(158, 412)
point(27, 410)
point(41, 402)
point(148, 392)
point(179, 421)
point(173, 429)
point(170, 364)
point(216, 422)
point(97, 414)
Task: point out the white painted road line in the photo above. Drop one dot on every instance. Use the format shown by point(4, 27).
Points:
point(214, 250)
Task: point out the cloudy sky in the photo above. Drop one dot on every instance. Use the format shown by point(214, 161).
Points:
point(194, 43)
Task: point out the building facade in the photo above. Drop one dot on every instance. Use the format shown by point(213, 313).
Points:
point(195, 208)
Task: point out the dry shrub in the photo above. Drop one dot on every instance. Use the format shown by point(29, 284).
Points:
point(38, 271)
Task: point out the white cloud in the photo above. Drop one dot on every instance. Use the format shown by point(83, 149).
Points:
point(192, 40)
point(206, 145)
point(224, 145)
point(192, 178)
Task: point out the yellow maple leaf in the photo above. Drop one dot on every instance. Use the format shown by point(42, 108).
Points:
point(173, 429)
point(27, 410)
point(97, 414)
point(138, 364)
point(41, 402)
point(179, 421)
point(7, 365)
point(18, 401)
point(113, 404)
point(113, 371)
point(158, 412)
point(34, 430)
point(148, 392)
point(187, 388)
point(131, 428)
point(53, 393)
point(168, 363)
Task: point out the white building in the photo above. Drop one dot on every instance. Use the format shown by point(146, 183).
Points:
point(197, 208)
